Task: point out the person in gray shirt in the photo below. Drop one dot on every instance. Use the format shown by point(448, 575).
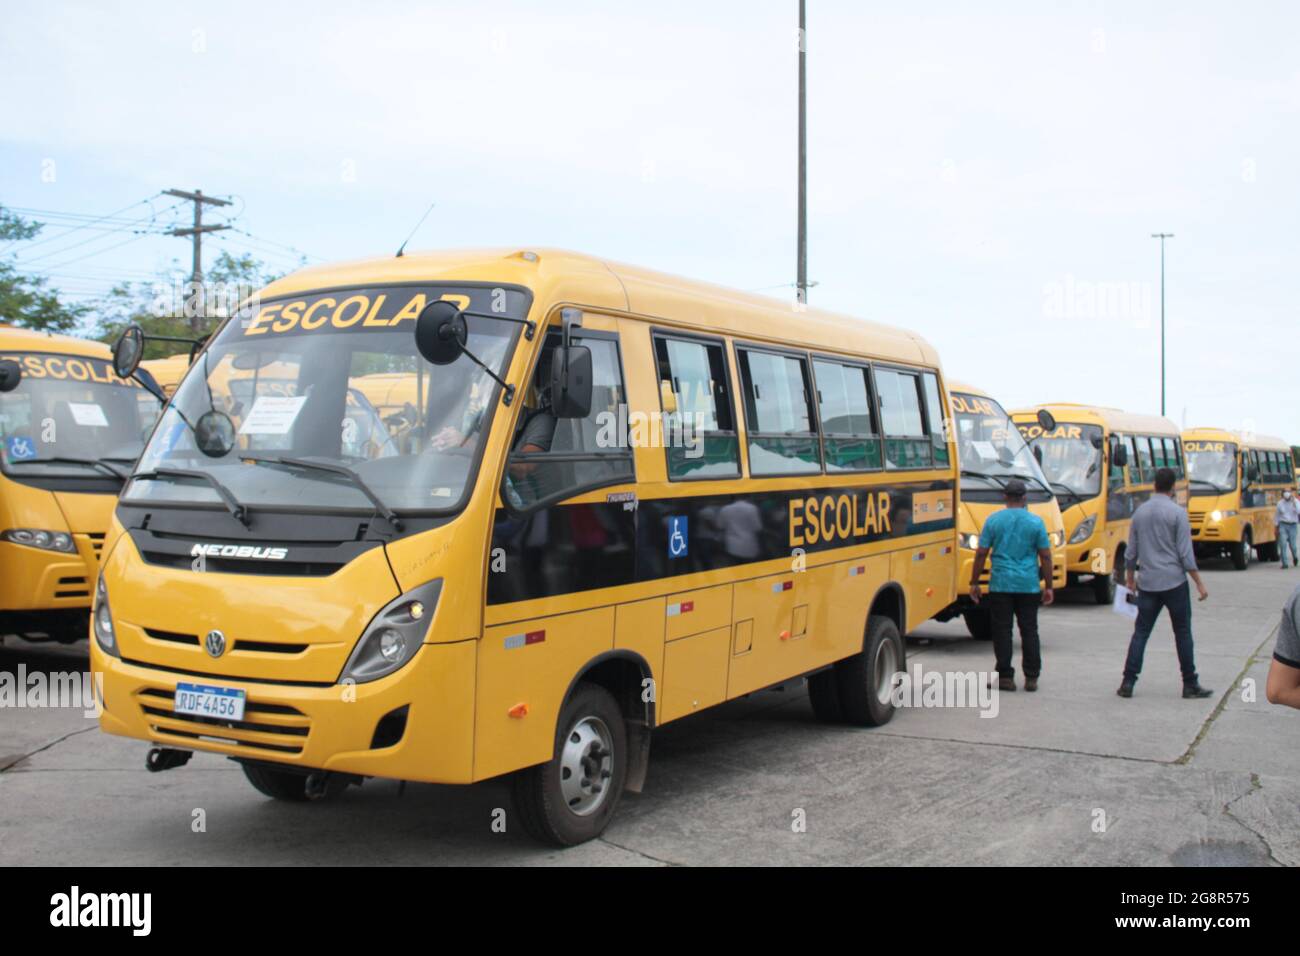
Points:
point(1284, 673)
point(1160, 558)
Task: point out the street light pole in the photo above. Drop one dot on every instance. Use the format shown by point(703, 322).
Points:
point(801, 269)
point(1162, 236)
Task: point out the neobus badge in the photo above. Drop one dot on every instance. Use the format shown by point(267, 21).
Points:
point(238, 551)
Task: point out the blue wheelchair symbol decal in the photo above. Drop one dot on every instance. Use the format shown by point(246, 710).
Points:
point(20, 449)
point(679, 535)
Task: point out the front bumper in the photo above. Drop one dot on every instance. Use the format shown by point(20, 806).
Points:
point(328, 728)
point(967, 563)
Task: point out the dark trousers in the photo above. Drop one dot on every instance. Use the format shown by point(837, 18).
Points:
point(1002, 605)
point(1179, 602)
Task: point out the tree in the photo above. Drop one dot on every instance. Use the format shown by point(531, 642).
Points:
point(24, 299)
point(159, 308)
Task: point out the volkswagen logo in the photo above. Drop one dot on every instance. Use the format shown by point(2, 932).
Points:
point(215, 643)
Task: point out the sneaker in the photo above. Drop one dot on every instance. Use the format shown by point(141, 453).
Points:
point(1125, 689)
point(1004, 683)
point(1031, 684)
point(1196, 690)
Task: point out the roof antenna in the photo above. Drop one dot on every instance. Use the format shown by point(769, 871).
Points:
point(413, 231)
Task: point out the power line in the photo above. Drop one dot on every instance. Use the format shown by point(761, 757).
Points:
point(149, 219)
point(73, 217)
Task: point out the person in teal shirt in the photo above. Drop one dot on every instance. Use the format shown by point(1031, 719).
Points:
point(1022, 561)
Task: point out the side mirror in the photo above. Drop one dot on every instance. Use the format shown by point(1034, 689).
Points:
point(1121, 455)
point(441, 332)
point(571, 382)
point(1046, 420)
point(11, 373)
point(127, 351)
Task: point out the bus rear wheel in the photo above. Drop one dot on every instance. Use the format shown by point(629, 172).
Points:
point(824, 695)
point(866, 680)
point(1242, 551)
point(571, 798)
point(979, 623)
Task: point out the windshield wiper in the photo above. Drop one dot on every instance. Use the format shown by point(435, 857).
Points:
point(1076, 495)
point(1001, 475)
point(232, 504)
point(100, 463)
point(968, 473)
point(343, 471)
point(1202, 481)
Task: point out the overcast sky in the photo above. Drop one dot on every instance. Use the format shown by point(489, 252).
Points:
point(990, 180)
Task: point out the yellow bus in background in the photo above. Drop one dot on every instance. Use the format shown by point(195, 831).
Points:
point(1235, 483)
point(990, 452)
point(1101, 462)
point(168, 372)
point(70, 431)
point(612, 498)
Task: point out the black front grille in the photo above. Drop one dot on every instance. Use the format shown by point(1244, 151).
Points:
point(301, 569)
point(285, 733)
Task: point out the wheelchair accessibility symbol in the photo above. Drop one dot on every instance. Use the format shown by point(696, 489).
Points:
point(20, 449)
point(678, 536)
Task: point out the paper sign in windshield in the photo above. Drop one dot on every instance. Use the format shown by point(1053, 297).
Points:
point(89, 416)
point(272, 415)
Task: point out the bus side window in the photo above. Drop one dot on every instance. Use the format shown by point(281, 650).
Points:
point(906, 443)
point(700, 436)
point(782, 432)
point(552, 458)
point(1116, 470)
point(935, 417)
point(850, 434)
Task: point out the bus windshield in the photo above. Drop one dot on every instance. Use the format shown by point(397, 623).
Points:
point(990, 448)
point(1212, 465)
point(323, 401)
point(1071, 459)
point(70, 416)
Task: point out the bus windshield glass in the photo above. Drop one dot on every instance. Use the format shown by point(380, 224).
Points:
point(990, 447)
point(70, 416)
point(320, 382)
point(1071, 458)
point(1211, 465)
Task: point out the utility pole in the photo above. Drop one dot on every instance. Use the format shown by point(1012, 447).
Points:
point(194, 303)
point(801, 271)
point(1162, 236)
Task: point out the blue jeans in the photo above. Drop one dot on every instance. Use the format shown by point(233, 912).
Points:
point(1286, 539)
point(1179, 602)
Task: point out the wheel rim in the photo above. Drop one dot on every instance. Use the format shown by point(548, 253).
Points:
point(1246, 550)
point(884, 667)
point(586, 766)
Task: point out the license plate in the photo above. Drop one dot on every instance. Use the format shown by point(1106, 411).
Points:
point(205, 700)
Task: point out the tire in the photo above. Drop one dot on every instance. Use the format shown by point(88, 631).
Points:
point(1268, 552)
point(1242, 551)
point(824, 695)
point(867, 677)
point(278, 784)
point(979, 623)
point(553, 806)
point(1103, 587)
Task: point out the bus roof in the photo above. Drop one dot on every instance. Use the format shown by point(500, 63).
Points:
point(955, 386)
point(14, 339)
point(556, 275)
point(1210, 433)
point(1111, 419)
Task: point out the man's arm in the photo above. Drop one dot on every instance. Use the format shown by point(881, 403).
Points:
point(981, 555)
point(1131, 555)
point(1188, 554)
point(1283, 685)
point(1045, 571)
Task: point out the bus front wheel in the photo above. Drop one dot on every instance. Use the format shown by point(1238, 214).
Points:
point(978, 623)
point(570, 799)
point(1103, 586)
point(866, 680)
point(279, 784)
point(1242, 551)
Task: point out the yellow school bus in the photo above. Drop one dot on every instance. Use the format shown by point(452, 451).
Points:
point(70, 430)
point(622, 498)
point(990, 452)
point(168, 372)
point(1102, 463)
point(1235, 482)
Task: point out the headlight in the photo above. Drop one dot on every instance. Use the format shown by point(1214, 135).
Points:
point(394, 635)
point(45, 540)
point(1220, 515)
point(102, 616)
point(1057, 538)
point(1084, 531)
point(971, 541)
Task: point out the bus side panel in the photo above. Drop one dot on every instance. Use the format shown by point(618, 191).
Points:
point(530, 663)
point(927, 575)
point(639, 628)
point(854, 583)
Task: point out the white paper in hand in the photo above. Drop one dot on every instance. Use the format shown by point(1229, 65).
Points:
point(1125, 602)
